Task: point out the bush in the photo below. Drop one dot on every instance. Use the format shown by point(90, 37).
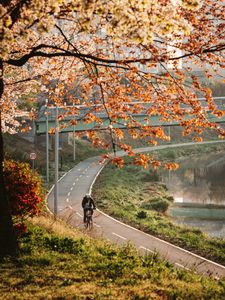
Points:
point(170, 198)
point(24, 192)
point(141, 214)
point(158, 204)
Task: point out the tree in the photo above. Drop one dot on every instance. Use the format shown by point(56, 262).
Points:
point(118, 52)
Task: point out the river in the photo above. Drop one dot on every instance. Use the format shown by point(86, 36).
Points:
point(198, 188)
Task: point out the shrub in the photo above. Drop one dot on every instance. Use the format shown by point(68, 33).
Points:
point(142, 214)
point(24, 192)
point(158, 204)
point(170, 198)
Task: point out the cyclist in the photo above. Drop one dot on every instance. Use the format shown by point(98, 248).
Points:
point(88, 204)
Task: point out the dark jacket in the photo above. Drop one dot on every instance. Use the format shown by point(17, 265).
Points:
point(88, 202)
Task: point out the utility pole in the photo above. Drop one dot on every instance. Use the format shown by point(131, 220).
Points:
point(56, 161)
point(47, 142)
point(74, 141)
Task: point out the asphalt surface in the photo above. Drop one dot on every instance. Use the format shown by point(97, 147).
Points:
point(79, 180)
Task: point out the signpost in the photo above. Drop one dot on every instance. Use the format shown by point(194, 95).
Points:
point(74, 141)
point(33, 157)
point(47, 142)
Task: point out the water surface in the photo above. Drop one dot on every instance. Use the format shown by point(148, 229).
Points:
point(198, 188)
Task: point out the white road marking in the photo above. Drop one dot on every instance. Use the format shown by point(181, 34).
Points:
point(71, 188)
point(179, 265)
point(146, 249)
point(68, 194)
point(119, 236)
point(79, 214)
point(77, 179)
point(74, 183)
point(97, 225)
point(70, 207)
point(67, 200)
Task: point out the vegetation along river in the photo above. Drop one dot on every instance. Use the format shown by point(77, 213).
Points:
point(198, 188)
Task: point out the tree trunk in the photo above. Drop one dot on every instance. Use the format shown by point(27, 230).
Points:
point(8, 240)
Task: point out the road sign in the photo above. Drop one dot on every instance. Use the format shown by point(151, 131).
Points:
point(33, 155)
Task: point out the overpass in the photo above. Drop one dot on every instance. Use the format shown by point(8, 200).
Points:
point(48, 115)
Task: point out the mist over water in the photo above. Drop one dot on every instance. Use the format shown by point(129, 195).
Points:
point(198, 188)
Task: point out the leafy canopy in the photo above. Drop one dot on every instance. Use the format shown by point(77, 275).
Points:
point(107, 54)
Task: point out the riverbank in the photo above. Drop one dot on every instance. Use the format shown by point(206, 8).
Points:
point(128, 193)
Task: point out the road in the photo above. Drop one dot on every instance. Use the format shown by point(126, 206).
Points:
point(79, 181)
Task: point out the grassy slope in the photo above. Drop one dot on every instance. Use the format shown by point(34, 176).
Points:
point(60, 263)
point(121, 193)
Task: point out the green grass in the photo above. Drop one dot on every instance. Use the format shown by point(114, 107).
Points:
point(57, 262)
point(182, 152)
point(130, 194)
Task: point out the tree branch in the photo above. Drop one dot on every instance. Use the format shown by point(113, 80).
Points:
point(60, 52)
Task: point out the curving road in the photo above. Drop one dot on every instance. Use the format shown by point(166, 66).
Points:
point(79, 180)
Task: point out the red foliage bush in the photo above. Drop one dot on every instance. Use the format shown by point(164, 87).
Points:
point(24, 191)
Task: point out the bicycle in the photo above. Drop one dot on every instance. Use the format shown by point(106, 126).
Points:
point(89, 221)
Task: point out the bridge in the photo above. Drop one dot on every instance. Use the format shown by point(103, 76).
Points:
point(48, 115)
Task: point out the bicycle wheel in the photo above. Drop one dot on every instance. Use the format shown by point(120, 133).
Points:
point(89, 222)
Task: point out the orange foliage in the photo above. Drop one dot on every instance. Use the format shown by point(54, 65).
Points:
point(73, 122)
point(171, 166)
point(142, 160)
point(127, 149)
point(118, 161)
point(113, 67)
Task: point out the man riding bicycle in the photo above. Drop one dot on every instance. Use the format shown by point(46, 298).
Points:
point(88, 204)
